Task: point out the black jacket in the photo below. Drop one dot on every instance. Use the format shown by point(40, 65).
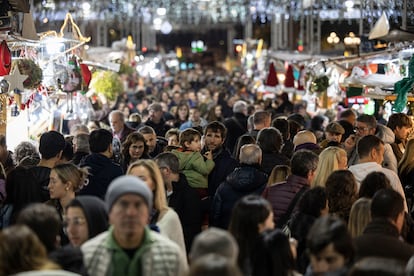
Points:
point(271, 159)
point(186, 203)
point(102, 171)
point(244, 180)
point(224, 165)
point(236, 127)
point(42, 176)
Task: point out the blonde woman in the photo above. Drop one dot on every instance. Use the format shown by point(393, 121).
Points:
point(278, 175)
point(65, 180)
point(165, 218)
point(330, 159)
point(359, 216)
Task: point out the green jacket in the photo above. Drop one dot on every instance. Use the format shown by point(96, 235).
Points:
point(157, 256)
point(194, 167)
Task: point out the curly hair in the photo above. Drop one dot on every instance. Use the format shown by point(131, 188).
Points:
point(341, 189)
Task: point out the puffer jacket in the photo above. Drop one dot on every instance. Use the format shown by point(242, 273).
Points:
point(281, 195)
point(244, 180)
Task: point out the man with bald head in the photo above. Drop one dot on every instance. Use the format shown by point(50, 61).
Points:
point(246, 179)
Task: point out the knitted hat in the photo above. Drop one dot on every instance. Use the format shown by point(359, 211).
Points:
point(51, 143)
point(127, 184)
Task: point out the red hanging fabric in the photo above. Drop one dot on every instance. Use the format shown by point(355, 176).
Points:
point(5, 59)
point(86, 73)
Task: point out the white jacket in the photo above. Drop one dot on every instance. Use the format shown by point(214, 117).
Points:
point(360, 171)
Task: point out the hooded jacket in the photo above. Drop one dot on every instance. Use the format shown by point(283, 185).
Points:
point(101, 172)
point(360, 171)
point(244, 180)
point(95, 213)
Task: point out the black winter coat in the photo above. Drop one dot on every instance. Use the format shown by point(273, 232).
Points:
point(244, 180)
point(102, 171)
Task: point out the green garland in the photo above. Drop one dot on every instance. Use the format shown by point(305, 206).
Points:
point(107, 83)
point(32, 70)
point(320, 84)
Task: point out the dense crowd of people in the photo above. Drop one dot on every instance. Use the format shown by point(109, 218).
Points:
point(199, 175)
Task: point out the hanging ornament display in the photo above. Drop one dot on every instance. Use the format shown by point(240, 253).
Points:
point(74, 79)
point(5, 59)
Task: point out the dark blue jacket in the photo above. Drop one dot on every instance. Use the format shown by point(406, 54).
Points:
point(244, 180)
point(102, 171)
point(224, 165)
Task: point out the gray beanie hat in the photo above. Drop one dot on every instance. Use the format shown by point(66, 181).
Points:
point(127, 184)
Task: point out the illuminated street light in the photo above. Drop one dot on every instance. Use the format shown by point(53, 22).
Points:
point(333, 38)
point(352, 41)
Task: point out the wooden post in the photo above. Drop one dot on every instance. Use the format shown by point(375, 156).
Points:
point(3, 114)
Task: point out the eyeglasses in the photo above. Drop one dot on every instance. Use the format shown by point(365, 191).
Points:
point(76, 221)
point(361, 129)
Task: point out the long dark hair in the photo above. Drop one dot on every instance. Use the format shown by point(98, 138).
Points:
point(248, 212)
point(273, 255)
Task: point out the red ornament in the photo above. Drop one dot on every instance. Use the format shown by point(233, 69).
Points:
point(289, 78)
point(22, 106)
point(271, 77)
point(5, 59)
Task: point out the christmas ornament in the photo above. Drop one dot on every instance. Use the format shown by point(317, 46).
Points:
point(74, 76)
point(16, 79)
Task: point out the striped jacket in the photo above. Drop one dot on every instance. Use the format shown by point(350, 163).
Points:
point(159, 257)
